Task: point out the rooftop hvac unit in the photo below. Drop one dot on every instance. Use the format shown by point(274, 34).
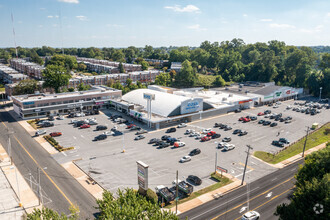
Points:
point(230, 95)
point(224, 99)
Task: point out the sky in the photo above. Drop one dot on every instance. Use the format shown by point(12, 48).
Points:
point(123, 23)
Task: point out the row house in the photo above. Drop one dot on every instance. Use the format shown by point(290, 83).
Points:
point(31, 69)
point(127, 66)
point(9, 75)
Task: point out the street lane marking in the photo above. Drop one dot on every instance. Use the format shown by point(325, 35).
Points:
point(269, 200)
point(242, 164)
point(242, 173)
point(274, 179)
point(43, 171)
point(252, 198)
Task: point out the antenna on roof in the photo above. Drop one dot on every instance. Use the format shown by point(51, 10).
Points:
point(12, 22)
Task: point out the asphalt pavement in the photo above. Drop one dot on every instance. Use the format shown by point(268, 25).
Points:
point(262, 195)
point(60, 188)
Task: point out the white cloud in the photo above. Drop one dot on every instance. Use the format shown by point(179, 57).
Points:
point(328, 14)
point(314, 30)
point(50, 16)
point(69, 1)
point(20, 22)
point(56, 16)
point(282, 26)
point(266, 20)
point(115, 25)
point(40, 26)
point(188, 8)
point(55, 25)
point(245, 15)
point(196, 27)
point(82, 17)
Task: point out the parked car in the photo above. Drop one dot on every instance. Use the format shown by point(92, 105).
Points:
point(40, 132)
point(92, 122)
point(199, 136)
point(51, 118)
point(142, 131)
point(195, 152)
point(139, 137)
point(267, 123)
point(221, 144)
point(273, 124)
point(55, 134)
point(229, 147)
point(100, 137)
point(85, 126)
point(227, 128)
point(275, 106)
point(206, 130)
point(217, 125)
point(47, 124)
point(226, 139)
point(278, 143)
point(211, 133)
point(267, 112)
point(135, 128)
point(242, 133)
point(185, 159)
point(284, 140)
point(261, 121)
point(60, 117)
point(163, 145)
point(206, 138)
point(71, 115)
point(189, 131)
point(193, 134)
point(109, 133)
point(216, 136)
point(237, 131)
point(41, 122)
point(182, 125)
point(172, 140)
point(251, 215)
point(179, 144)
point(287, 121)
point(222, 126)
point(171, 130)
point(246, 119)
point(153, 140)
point(241, 119)
point(260, 113)
point(253, 118)
point(165, 137)
point(238, 110)
point(130, 126)
point(101, 127)
point(194, 179)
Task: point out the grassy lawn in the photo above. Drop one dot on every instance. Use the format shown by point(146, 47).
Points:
point(316, 138)
point(2, 89)
point(33, 124)
point(222, 181)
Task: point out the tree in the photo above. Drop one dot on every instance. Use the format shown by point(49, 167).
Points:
point(118, 56)
point(121, 68)
point(35, 57)
point(83, 87)
point(55, 77)
point(26, 86)
point(312, 187)
point(144, 65)
point(46, 213)
point(82, 67)
point(69, 62)
point(130, 205)
point(163, 79)
point(187, 76)
point(219, 81)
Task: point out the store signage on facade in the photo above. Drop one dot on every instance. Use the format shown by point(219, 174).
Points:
point(191, 105)
point(278, 94)
point(245, 101)
point(75, 105)
point(142, 174)
point(149, 96)
point(269, 97)
point(28, 103)
point(288, 92)
point(99, 103)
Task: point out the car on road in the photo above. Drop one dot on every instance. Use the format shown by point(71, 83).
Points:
point(267, 123)
point(261, 113)
point(206, 130)
point(284, 140)
point(195, 152)
point(205, 138)
point(100, 137)
point(55, 134)
point(101, 127)
point(273, 124)
point(179, 144)
point(194, 179)
point(261, 121)
point(153, 140)
point(171, 130)
point(135, 128)
point(85, 126)
point(142, 131)
point(251, 215)
point(182, 125)
point(139, 137)
point(216, 136)
point(185, 159)
point(163, 145)
point(242, 133)
point(40, 132)
point(226, 139)
point(237, 131)
point(109, 133)
point(278, 143)
point(229, 147)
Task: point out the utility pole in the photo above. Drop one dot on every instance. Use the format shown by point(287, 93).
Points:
point(303, 153)
point(176, 192)
point(320, 93)
point(246, 161)
point(39, 185)
point(216, 162)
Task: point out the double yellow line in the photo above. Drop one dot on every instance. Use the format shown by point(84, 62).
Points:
point(34, 160)
point(255, 198)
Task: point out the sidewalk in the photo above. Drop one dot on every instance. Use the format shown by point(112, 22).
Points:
point(24, 195)
point(186, 206)
point(293, 159)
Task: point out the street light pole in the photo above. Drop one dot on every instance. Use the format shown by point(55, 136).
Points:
point(320, 92)
point(303, 153)
point(176, 192)
point(246, 161)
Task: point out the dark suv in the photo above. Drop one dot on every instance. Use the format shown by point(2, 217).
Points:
point(47, 124)
point(101, 127)
point(195, 152)
point(100, 137)
point(170, 130)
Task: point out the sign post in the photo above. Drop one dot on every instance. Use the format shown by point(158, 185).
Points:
point(142, 175)
point(221, 169)
point(149, 97)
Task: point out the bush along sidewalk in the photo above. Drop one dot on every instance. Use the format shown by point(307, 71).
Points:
point(55, 144)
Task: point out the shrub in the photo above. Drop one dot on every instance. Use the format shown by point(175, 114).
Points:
point(152, 196)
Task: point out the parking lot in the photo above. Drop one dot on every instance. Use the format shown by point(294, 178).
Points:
point(105, 161)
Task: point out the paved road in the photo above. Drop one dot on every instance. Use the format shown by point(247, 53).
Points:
point(264, 195)
point(59, 187)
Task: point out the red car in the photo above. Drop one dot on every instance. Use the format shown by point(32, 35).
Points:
point(241, 119)
point(211, 133)
point(55, 134)
point(260, 113)
point(130, 126)
point(206, 138)
point(85, 126)
point(246, 120)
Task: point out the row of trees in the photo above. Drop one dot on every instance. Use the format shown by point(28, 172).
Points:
point(310, 199)
point(129, 204)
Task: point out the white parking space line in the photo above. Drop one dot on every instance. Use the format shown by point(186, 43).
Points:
point(258, 139)
point(242, 173)
point(64, 153)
